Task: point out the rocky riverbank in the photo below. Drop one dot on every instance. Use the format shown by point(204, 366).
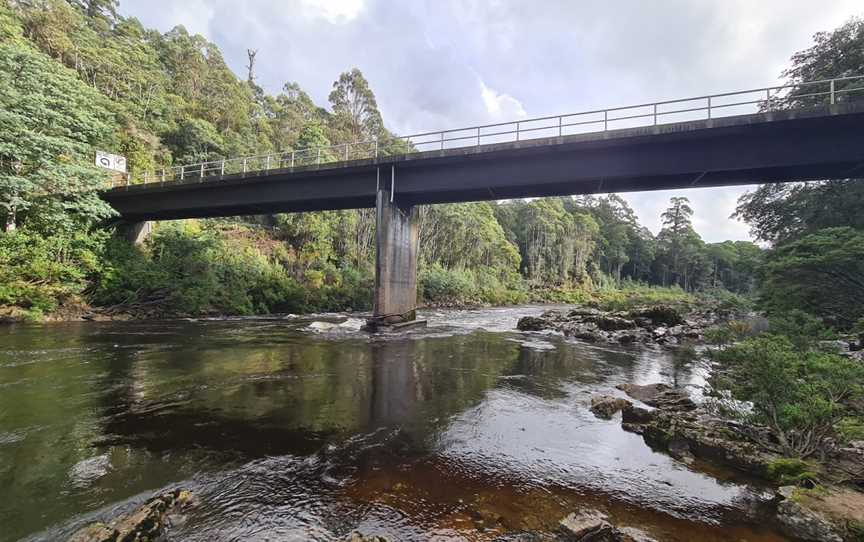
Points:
point(670, 421)
point(660, 324)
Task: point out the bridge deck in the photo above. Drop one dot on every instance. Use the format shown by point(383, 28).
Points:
point(816, 143)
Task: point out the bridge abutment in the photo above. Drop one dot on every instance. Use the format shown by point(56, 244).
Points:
point(397, 237)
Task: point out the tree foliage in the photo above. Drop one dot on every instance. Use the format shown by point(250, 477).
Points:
point(799, 396)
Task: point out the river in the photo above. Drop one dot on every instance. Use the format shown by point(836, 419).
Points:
point(466, 429)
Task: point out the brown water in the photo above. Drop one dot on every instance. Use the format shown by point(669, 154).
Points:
point(464, 430)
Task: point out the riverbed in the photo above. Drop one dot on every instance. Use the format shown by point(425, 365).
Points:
point(306, 428)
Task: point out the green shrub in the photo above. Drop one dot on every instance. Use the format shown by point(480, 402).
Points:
point(799, 396)
point(631, 295)
point(38, 274)
point(793, 471)
point(802, 329)
point(192, 272)
point(851, 428)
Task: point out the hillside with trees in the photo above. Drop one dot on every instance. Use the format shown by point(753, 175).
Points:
point(77, 76)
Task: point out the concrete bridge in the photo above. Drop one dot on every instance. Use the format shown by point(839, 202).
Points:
point(773, 145)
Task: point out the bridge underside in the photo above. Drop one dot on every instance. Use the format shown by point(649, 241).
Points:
point(819, 143)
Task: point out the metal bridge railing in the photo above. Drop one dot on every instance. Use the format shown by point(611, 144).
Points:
point(832, 91)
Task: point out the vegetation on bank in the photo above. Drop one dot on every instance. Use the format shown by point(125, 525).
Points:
point(78, 77)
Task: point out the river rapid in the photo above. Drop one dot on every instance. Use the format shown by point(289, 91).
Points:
point(305, 428)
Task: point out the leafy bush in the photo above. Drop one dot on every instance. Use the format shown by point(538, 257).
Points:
point(184, 271)
point(38, 274)
point(851, 428)
point(798, 396)
point(802, 329)
point(726, 302)
point(438, 285)
point(632, 295)
point(793, 471)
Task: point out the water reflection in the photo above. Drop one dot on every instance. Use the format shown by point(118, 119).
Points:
point(286, 433)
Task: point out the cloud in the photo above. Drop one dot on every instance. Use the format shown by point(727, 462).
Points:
point(336, 11)
point(439, 64)
point(501, 107)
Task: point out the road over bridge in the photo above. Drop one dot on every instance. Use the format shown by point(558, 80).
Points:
point(473, 164)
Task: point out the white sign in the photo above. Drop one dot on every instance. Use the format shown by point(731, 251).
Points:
point(111, 161)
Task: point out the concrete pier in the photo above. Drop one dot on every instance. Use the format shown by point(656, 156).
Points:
point(396, 241)
point(137, 232)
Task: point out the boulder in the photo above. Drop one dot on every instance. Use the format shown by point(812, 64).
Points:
point(646, 393)
point(660, 315)
point(582, 312)
point(147, 522)
point(613, 323)
point(605, 406)
point(532, 323)
point(588, 526)
point(632, 414)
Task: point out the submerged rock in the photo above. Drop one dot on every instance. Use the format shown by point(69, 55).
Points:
point(147, 522)
point(605, 406)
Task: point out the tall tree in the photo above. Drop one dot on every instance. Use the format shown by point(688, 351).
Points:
point(677, 239)
point(355, 111)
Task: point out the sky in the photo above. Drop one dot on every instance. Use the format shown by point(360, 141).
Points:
point(441, 64)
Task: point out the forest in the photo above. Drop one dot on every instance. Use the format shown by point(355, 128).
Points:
point(75, 76)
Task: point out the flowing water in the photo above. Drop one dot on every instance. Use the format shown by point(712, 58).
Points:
point(308, 429)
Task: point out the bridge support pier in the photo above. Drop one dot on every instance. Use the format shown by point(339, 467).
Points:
point(397, 237)
point(137, 232)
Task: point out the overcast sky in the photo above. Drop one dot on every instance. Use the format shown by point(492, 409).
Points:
point(441, 64)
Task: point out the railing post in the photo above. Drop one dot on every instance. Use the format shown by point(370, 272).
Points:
point(244, 166)
point(832, 92)
point(655, 114)
point(560, 126)
point(517, 131)
point(605, 121)
point(182, 172)
point(768, 99)
point(346, 152)
point(442, 141)
point(478, 136)
point(376, 147)
point(163, 175)
point(267, 163)
point(709, 107)
point(222, 169)
point(292, 159)
point(318, 160)
point(202, 171)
